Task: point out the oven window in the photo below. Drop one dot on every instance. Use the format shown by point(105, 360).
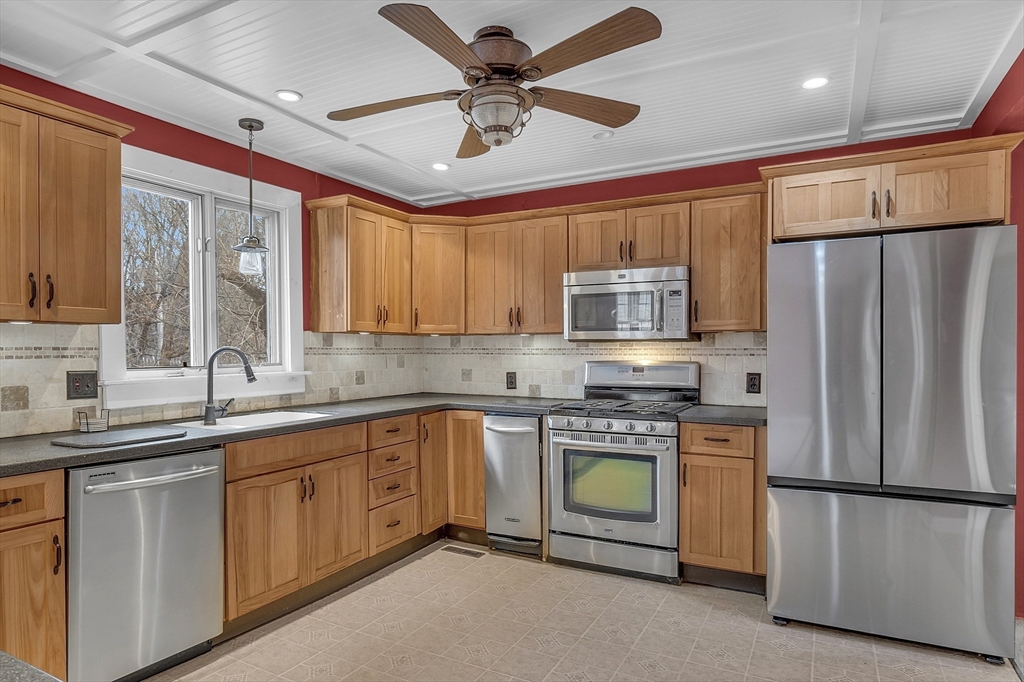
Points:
point(611, 485)
point(624, 311)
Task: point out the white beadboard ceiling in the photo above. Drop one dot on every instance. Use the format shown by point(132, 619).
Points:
point(721, 84)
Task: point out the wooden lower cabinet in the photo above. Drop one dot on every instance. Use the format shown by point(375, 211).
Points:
point(716, 512)
point(32, 619)
point(393, 524)
point(466, 506)
point(287, 529)
point(433, 469)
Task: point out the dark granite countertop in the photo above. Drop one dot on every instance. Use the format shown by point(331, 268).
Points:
point(15, 670)
point(26, 454)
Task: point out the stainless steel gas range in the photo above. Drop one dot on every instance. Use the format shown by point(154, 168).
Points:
point(614, 464)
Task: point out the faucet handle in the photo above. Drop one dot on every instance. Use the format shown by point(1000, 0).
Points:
point(223, 409)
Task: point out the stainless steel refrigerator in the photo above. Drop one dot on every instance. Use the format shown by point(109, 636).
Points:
point(892, 435)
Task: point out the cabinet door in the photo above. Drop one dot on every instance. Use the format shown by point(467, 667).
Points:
point(658, 236)
point(490, 279)
point(19, 214)
point(433, 470)
point(466, 469)
point(822, 203)
point(266, 543)
point(967, 188)
point(397, 277)
point(542, 258)
point(365, 310)
point(337, 518)
point(597, 241)
point(438, 279)
point(716, 512)
point(79, 224)
point(726, 280)
point(328, 270)
point(32, 620)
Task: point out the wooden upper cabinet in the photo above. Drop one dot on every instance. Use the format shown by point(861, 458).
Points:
point(542, 258)
point(466, 491)
point(658, 236)
point(947, 190)
point(831, 201)
point(337, 515)
point(727, 281)
point(716, 512)
point(597, 241)
point(438, 279)
point(32, 620)
point(19, 214)
point(328, 269)
point(364, 261)
point(396, 287)
point(490, 279)
point(433, 471)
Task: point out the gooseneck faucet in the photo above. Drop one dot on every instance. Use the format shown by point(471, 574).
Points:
point(211, 410)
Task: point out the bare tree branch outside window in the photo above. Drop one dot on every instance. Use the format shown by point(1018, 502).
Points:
point(241, 299)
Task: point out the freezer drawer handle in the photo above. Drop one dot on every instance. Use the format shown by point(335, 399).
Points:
point(10, 502)
point(395, 430)
point(717, 440)
point(512, 429)
point(148, 482)
point(393, 459)
point(394, 487)
point(56, 544)
point(393, 524)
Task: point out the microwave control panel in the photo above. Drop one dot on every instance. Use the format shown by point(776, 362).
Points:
point(676, 311)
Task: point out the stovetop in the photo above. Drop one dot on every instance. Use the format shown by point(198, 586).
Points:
point(642, 409)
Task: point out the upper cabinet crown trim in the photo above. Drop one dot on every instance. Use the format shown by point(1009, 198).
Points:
point(44, 107)
point(978, 144)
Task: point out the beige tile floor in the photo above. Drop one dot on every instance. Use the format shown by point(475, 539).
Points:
point(439, 616)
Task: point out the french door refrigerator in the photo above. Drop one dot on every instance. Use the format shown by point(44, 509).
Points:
point(892, 435)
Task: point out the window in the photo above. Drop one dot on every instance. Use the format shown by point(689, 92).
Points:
point(183, 293)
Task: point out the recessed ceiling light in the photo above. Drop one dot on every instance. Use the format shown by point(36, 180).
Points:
point(289, 95)
point(604, 135)
point(441, 166)
point(814, 83)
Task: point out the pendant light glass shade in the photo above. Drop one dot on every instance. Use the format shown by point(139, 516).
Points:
point(250, 259)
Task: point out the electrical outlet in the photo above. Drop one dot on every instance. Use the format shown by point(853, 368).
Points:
point(510, 380)
point(753, 382)
point(82, 385)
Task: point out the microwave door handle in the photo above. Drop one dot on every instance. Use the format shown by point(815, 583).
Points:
point(659, 317)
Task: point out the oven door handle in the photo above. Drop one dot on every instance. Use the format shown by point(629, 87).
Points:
point(610, 447)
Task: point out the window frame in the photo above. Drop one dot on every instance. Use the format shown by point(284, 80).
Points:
point(123, 387)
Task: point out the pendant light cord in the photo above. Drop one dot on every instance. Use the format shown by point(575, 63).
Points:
point(250, 183)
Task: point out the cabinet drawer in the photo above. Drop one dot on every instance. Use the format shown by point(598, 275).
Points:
point(396, 458)
point(264, 455)
point(385, 432)
point(31, 498)
point(390, 488)
point(393, 523)
point(716, 439)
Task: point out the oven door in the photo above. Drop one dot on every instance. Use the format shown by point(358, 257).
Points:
point(612, 491)
point(613, 311)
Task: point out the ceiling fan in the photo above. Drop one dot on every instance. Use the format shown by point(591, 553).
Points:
point(495, 64)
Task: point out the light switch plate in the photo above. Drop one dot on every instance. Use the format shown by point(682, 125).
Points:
point(82, 385)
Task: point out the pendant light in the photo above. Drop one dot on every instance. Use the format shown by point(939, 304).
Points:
point(250, 261)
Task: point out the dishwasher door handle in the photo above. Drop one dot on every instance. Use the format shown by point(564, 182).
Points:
point(147, 482)
point(511, 429)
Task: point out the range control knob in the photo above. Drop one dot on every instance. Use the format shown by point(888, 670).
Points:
point(631, 426)
point(651, 428)
point(567, 423)
point(607, 426)
point(586, 424)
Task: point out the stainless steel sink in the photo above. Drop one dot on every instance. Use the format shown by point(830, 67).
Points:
point(256, 420)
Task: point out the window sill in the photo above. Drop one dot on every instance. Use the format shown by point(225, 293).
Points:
point(165, 390)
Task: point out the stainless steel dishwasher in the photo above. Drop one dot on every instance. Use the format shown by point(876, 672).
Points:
point(512, 458)
point(145, 563)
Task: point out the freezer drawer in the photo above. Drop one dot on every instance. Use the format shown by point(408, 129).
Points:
point(823, 360)
point(950, 347)
point(931, 572)
point(512, 476)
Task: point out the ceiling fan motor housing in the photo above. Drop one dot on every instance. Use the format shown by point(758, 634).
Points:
point(500, 50)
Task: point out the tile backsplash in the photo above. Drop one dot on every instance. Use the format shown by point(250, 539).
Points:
point(34, 359)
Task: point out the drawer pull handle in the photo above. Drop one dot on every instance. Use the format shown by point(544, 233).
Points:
point(393, 459)
point(717, 440)
point(394, 430)
point(9, 503)
point(393, 524)
point(56, 543)
point(394, 487)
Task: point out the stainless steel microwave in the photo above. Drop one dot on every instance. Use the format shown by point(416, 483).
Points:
point(645, 303)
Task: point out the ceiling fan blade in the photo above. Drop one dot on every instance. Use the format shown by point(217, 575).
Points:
point(631, 26)
point(390, 105)
point(425, 26)
point(471, 145)
point(606, 112)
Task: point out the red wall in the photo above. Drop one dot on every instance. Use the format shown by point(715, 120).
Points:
point(1004, 113)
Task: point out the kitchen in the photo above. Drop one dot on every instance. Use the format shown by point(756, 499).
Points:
point(355, 517)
